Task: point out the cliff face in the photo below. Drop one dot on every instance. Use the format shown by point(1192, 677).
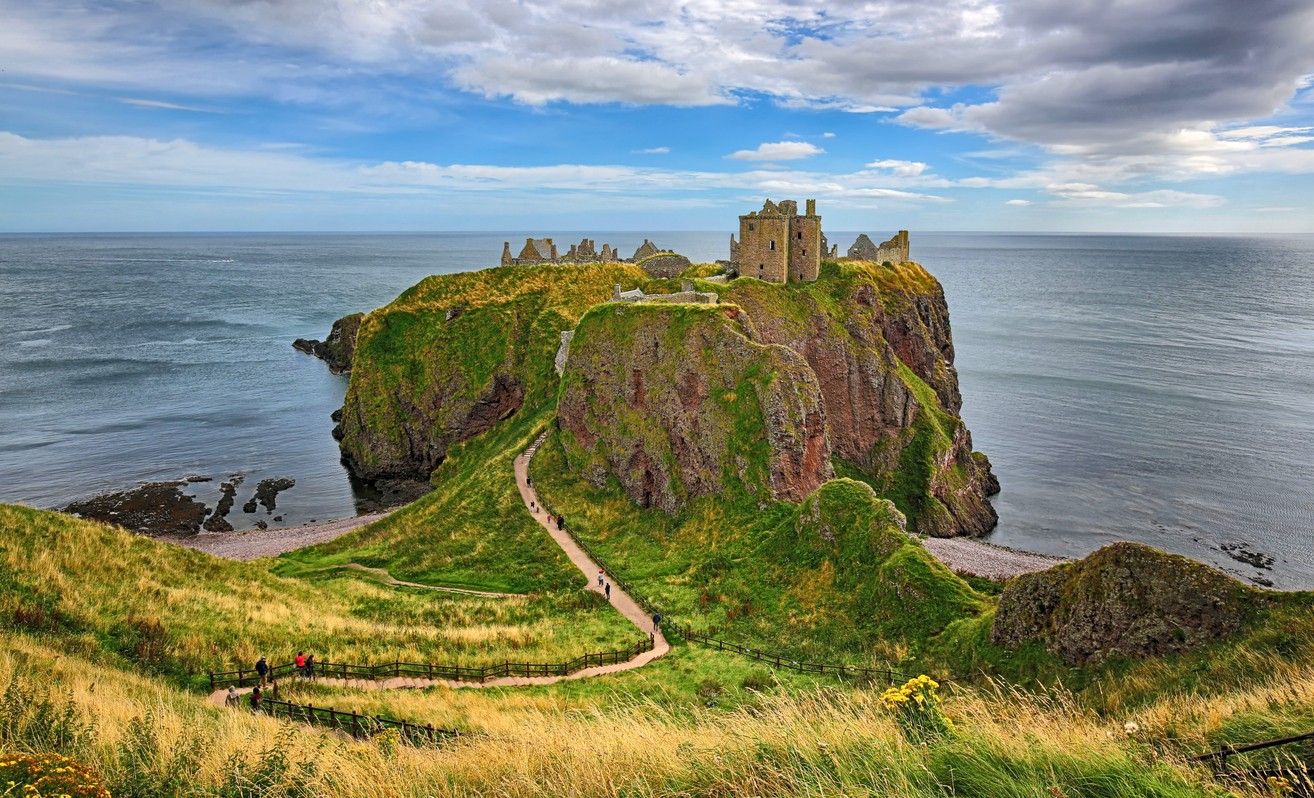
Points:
point(681, 401)
point(456, 354)
point(878, 339)
point(1125, 600)
point(339, 349)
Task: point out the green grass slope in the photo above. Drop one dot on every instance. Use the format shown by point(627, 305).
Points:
point(106, 594)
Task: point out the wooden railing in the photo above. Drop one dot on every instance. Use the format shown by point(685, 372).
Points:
point(435, 671)
point(1218, 759)
point(360, 727)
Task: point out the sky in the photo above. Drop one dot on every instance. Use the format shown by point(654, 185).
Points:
point(1191, 116)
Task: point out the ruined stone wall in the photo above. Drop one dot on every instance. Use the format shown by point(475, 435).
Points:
point(763, 247)
point(805, 248)
point(665, 264)
point(895, 250)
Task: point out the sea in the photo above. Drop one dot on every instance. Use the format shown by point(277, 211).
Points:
point(1149, 388)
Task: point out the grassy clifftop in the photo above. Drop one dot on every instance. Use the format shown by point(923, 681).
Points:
point(456, 354)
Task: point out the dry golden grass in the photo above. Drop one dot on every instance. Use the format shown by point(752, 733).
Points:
point(825, 742)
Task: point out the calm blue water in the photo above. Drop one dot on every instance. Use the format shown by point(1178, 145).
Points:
point(1126, 387)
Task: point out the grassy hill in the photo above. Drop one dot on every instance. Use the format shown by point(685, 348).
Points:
point(92, 617)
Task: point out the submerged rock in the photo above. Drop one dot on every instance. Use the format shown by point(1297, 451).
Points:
point(1126, 600)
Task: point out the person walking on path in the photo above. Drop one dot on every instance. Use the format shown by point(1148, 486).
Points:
point(601, 579)
point(300, 663)
point(232, 699)
point(656, 622)
point(608, 591)
point(262, 670)
point(310, 667)
point(256, 695)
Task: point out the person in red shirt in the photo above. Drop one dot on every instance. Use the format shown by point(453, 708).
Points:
point(301, 663)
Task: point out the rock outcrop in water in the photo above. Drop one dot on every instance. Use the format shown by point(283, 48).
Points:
point(156, 508)
point(681, 401)
point(1125, 600)
point(339, 348)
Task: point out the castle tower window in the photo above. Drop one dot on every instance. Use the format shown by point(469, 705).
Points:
point(750, 225)
point(773, 245)
point(800, 235)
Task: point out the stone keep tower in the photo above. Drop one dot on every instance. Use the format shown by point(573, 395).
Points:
point(779, 245)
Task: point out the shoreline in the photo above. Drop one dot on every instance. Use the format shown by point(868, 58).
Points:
point(255, 543)
point(988, 560)
point(962, 555)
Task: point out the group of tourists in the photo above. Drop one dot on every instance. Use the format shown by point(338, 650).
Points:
point(268, 684)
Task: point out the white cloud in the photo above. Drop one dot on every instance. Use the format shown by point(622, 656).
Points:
point(653, 151)
point(133, 161)
point(162, 105)
point(1088, 194)
point(778, 151)
point(1261, 132)
point(900, 168)
point(828, 135)
point(1018, 202)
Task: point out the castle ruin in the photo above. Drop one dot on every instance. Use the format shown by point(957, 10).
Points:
point(779, 245)
point(893, 251)
point(544, 250)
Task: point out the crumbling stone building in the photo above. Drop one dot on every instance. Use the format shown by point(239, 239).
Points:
point(893, 251)
point(779, 245)
point(544, 250)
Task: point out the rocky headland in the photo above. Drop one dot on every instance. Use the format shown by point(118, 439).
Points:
point(774, 388)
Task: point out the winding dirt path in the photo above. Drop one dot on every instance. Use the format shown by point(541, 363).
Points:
point(388, 579)
point(623, 603)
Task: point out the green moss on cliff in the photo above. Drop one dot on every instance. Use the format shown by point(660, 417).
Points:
point(677, 401)
point(457, 353)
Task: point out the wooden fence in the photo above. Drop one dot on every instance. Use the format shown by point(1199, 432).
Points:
point(435, 671)
point(1218, 759)
point(360, 727)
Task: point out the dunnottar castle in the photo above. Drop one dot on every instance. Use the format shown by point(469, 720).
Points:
point(776, 243)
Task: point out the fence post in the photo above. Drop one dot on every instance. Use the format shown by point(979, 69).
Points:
point(355, 725)
point(429, 728)
point(431, 671)
point(212, 681)
point(397, 672)
point(310, 714)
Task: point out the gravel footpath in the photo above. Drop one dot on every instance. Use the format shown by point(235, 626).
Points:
point(253, 544)
point(965, 555)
